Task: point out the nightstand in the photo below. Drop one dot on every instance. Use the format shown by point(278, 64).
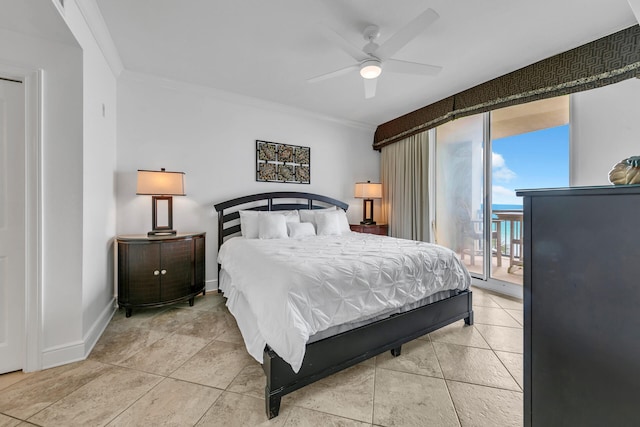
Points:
point(381, 229)
point(159, 270)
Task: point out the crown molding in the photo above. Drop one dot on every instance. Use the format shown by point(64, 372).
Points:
point(237, 98)
point(92, 16)
point(58, 5)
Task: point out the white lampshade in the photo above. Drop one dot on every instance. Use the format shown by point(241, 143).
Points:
point(368, 190)
point(160, 183)
point(370, 69)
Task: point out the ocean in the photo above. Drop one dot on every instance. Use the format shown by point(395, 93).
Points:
point(505, 227)
point(497, 207)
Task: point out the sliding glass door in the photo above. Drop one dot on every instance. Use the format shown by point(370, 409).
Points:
point(529, 149)
point(459, 191)
point(480, 161)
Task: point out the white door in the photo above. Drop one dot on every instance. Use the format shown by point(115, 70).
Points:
point(12, 226)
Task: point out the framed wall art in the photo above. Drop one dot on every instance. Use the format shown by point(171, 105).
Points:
point(277, 162)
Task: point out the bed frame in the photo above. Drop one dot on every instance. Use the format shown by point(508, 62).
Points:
point(335, 353)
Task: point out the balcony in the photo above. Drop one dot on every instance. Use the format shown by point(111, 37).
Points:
point(506, 247)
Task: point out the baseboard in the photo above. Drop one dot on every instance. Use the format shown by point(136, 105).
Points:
point(63, 354)
point(79, 350)
point(505, 288)
point(95, 332)
point(211, 285)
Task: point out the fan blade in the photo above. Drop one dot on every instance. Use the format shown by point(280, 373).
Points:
point(370, 87)
point(406, 34)
point(406, 67)
point(333, 74)
point(353, 51)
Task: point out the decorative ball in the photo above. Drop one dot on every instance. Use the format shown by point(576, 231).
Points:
point(626, 171)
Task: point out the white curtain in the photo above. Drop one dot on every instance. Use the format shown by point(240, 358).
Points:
point(405, 184)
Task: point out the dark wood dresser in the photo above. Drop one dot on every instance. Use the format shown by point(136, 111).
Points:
point(159, 270)
point(581, 293)
point(381, 229)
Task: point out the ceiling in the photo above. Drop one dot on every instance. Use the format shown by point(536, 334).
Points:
point(35, 18)
point(268, 49)
point(530, 117)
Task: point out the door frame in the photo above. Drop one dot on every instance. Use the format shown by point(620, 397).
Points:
point(32, 79)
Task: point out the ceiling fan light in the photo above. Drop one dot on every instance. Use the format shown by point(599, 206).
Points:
point(370, 69)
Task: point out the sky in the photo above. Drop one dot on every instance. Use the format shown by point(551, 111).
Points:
point(537, 159)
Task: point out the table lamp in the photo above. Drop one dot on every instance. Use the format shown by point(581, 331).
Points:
point(162, 185)
point(368, 191)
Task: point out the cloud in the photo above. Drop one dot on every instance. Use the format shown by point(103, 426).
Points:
point(503, 175)
point(501, 172)
point(504, 196)
point(497, 160)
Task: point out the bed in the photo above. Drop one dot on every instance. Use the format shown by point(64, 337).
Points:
point(326, 347)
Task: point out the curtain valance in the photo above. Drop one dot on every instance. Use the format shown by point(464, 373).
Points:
point(608, 60)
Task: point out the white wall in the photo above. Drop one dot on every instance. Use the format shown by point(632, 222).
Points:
point(605, 128)
point(78, 185)
point(61, 183)
point(210, 135)
point(98, 182)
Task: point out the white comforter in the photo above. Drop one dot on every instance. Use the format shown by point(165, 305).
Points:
point(283, 291)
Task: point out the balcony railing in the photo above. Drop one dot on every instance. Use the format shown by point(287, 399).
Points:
point(506, 246)
point(510, 224)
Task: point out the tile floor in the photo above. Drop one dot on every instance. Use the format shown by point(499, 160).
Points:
point(187, 366)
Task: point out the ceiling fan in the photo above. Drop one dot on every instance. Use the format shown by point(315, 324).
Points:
point(372, 58)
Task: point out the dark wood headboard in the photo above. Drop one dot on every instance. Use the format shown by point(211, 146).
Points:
point(278, 201)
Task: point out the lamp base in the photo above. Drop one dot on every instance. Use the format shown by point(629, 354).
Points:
point(162, 233)
point(367, 212)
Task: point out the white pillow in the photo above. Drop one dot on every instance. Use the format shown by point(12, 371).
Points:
point(308, 215)
point(272, 226)
point(328, 223)
point(249, 221)
point(343, 222)
point(300, 229)
point(249, 224)
point(290, 216)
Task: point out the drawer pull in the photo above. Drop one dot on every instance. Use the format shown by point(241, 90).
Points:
point(163, 272)
point(156, 272)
